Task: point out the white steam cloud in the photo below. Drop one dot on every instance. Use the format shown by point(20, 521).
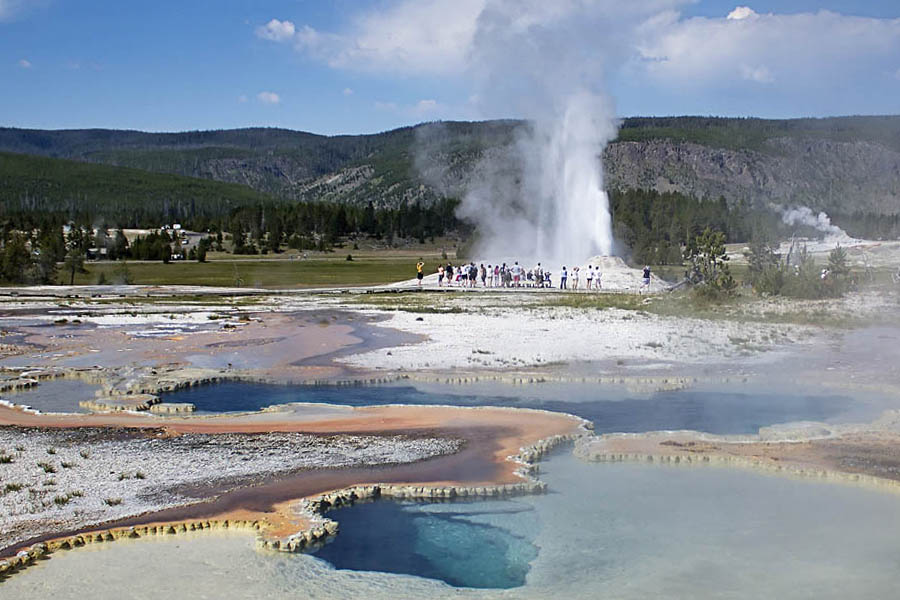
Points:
point(544, 199)
point(803, 215)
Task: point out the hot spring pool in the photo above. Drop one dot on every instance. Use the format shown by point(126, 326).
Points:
point(55, 395)
point(604, 530)
point(732, 409)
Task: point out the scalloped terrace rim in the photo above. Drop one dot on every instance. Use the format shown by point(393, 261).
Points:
point(500, 445)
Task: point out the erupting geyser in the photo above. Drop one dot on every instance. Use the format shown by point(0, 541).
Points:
point(573, 220)
point(541, 197)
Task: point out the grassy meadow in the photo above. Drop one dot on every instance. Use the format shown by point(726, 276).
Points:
point(319, 271)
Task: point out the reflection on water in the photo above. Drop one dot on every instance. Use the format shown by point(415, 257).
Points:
point(605, 530)
point(55, 395)
point(611, 408)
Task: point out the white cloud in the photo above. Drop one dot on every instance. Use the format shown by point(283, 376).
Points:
point(347, 92)
point(650, 43)
point(805, 50)
point(277, 31)
point(426, 106)
point(741, 12)
point(25, 63)
point(411, 36)
point(268, 97)
point(437, 37)
point(759, 74)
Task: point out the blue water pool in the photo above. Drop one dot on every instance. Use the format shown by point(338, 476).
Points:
point(625, 531)
point(611, 409)
point(449, 543)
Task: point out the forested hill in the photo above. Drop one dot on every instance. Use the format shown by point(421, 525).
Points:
point(842, 165)
point(34, 187)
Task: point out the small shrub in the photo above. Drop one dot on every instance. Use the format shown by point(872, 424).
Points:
point(76, 494)
point(67, 465)
point(47, 467)
point(20, 448)
point(51, 450)
point(112, 501)
point(5, 459)
point(124, 476)
point(61, 500)
point(12, 487)
point(84, 454)
point(49, 482)
point(709, 267)
point(140, 475)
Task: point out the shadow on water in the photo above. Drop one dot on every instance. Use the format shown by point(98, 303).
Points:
point(712, 411)
point(432, 541)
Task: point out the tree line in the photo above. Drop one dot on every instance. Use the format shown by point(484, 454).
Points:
point(650, 227)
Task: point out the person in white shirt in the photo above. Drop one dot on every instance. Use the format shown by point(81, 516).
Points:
point(589, 276)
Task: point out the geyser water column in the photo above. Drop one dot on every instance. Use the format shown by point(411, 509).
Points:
point(541, 196)
point(573, 221)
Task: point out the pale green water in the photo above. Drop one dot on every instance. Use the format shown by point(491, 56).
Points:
point(604, 531)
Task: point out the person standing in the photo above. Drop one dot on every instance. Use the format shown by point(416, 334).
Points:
point(483, 276)
point(440, 275)
point(575, 274)
point(420, 271)
point(645, 282)
point(448, 273)
point(563, 276)
point(589, 277)
point(517, 274)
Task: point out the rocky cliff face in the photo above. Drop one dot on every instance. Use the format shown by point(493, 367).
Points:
point(824, 174)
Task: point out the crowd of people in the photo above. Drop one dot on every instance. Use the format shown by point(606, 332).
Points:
point(470, 275)
point(514, 275)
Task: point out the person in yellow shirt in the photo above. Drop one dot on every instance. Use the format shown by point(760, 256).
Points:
point(420, 271)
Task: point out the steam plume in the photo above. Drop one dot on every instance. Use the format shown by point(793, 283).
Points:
point(543, 197)
point(803, 215)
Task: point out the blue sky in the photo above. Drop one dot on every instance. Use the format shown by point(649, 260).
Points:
point(357, 67)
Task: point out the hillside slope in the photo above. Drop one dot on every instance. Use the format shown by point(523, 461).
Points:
point(38, 185)
point(842, 165)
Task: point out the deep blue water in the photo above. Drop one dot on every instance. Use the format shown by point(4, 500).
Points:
point(454, 546)
point(491, 544)
point(723, 411)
